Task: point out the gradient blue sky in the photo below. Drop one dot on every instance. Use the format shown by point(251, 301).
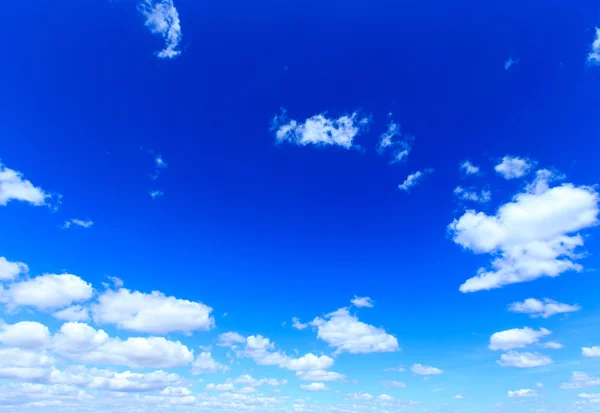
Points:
point(254, 219)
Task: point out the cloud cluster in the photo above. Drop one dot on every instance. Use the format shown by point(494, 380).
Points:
point(545, 309)
point(393, 140)
point(513, 167)
point(162, 19)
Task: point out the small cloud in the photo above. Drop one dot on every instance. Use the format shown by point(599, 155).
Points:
point(508, 63)
point(425, 370)
point(590, 351)
point(391, 384)
point(362, 302)
point(469, 168)
point(313, 387)
point(471, 195)
point(155, 194)
point(539, 385)
point(297, 324)
point(160, 162)
point(594, 54)
point(522, 393)
point(513, 167)
point(392, 139)
point(162, 19)
point(399, 369)
point(545, 309)
point(459, 397)
point(77, 222)
point(13, 186)
point(413, 179)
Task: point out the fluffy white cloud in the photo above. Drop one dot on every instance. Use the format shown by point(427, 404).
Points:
point(230, 339)
point(362, 302)
point(590, 351)
point(220, 387)
point(162, 18)
point(152, 313)
point(47, 292)
point(346, 333)
point(297, 324)
point(471, 195)
point(314, 387)
point(393, 140)
point(134, 382)
point(516, 338)
point(547, 308)
point(580, 380)
point(26, 334)
point(594, 54)
point(72, 313)
point(319, 130)
point(522, 393)
point(425, 370)
point(385, 398)
point(176, 391)
point(11, 270)
point(392, 384)
point(24, 365)
point(523, 360)
point(248, 380)
point(528, 237)
point(469, 168)
point(205, 363)
point(78, 222)
point(80, 342)
point(319, 375)
point(360, 396)
point(14, 187)
point(413, 179)
point(36, 396)
point(552, 344)
point(514, 167)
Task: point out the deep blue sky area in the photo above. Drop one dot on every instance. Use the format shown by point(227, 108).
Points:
point(266, 231)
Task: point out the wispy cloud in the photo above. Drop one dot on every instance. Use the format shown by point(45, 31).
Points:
point(392, 139)
point(469, 168)
point(471, 195)
point(413, 179)
point(162, 19)
point(156, 193)
point(508, 63)
point(77, 222)
point(594, 54)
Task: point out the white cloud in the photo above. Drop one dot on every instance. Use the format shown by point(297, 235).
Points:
point(590, 351)
point(80, 342)
point(176, 391)
point(359, 396)
point(320, 130)
point(205, 363)
point(425, 370)
point(393, 139)
point(362, 302)
point(11, 270)
point(314, 387)
point(523, 360)
point(469, 168)
point(459, 397)
point(516, 338)
point(162, 18)
point(385, 398)
point(73, 313)
point(413, 179)
point(552, 344)
point(589, 395)
point(230, 339)
point(513, 167)
point(47, 292)
point(297, 324)
point(152, 313)
point(14, 187)
point(400, 369)
point(220, 387)
point(523, 393)
point(392, 384)
point(594, 55)
point(580, 380)
point(156, 193)
point(24, 365)
point(248, 380)
point(510, 62)
point(346, 333)
point(528, 237)
point(77, 222)
point(319, 375)
point(536, 308)
point(471, 195)
point(26, 334)
point(129, 381)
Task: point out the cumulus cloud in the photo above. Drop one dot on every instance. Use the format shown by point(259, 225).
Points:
point(320, 130)
point(162, 19)
point(26, 365)
point(125, 382)
point(468, 168)
point(230, 339)
point(220, 387)
point(523, 360)
point(472, 195)
point(152, 313)
point(413, 179)
point(523, 393)
point(14, 187)
point(529, 237)
point(580, 380)
point(248, 380)
point(82, 343)
point(362, 302)
point(77, 222)
point(10, 270)
point(594, 54)
point(513, 167)
point(545, 309)
point(314, 387)
point(72, 313)
point(205, 363)
point(47, 292)
point(425, 370)
point(29, 335)
point(590, 351)
point(516, 338)
point(393, 140)
point(346, 333)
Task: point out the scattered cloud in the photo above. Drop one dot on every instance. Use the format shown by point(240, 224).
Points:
point(513, 167)
point(590, 351)
point(399, 369)
point(205, 364)
point(319, 375)
point(392, 384)
point(314, 387)
point(425, 370)
point(510, 62)
point(230, 339)
point(248, 380)
point(545, 309)
point(413, 179)
point(10, 270)
point(393, 140)
point(360, 396)
point(525, 243)
point(521, 360)
point(471, 194)
point(162, 19)
point(459, 397)
point(523, 393)
point(153, 313)
point(14, 187)
point(580, 380)
point(320, 130)
point(516, 338)
point(362, 302)
point(297, 324)
point(73, 313)
point(77, 222)
point(554, 345)
point(594, 54)
point(156, 193)
point(220, 387)
point(468, 168)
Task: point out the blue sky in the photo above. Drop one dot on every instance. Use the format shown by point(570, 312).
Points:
point(299, 206)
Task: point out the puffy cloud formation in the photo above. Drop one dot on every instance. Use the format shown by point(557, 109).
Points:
point(468, 168)
point(362, 302)
point(529, 237)
point(230, 339)
point(320, 130)
point(26, 365)
point(425, 370)
point(205, 363)
point(513, 167)
point(594, 54)
point(521, 360)
point(11, 270)
point(590, 351)
point(314, 387)
point(162, 19)
point(29, 335)
point(73, 313)
point(545, 309)
point(14, 187)
point(152, 313)
point(516, 338)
